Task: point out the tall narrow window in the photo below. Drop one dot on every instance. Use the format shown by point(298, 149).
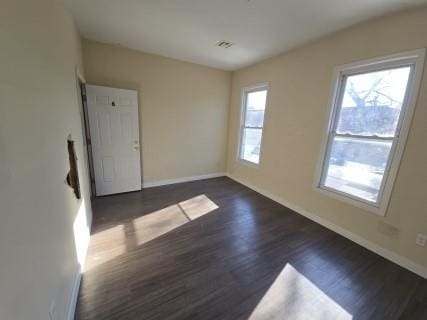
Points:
point(254, 101)
point(372, 107)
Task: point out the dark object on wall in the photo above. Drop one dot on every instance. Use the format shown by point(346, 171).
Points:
point(73, 174)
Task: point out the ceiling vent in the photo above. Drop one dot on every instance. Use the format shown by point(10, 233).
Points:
point(224, 44)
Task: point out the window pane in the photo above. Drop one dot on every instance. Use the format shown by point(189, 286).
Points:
point(251, 144)
point(357, 166)
point(255, 107)
point(372, 102)
point(254, 118)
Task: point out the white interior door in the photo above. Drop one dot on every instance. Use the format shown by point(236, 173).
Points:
point(114, 130)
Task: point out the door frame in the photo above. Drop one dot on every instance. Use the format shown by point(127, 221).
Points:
point(81, 87)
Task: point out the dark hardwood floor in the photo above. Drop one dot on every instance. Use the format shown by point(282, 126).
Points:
point(214, 249)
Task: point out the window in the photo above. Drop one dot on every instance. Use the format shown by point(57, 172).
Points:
point(254, 101)
point(373, 102)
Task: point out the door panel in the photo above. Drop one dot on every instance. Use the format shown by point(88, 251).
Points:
point(114, 127)
point(108, 169)
point(104, 129)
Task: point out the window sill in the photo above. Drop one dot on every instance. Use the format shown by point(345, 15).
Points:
point(377, 210)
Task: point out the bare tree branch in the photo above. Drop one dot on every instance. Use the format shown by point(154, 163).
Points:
point(361, 98)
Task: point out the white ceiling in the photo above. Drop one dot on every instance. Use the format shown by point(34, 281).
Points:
point(189, 29)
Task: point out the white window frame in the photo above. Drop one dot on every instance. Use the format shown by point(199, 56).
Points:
point(415, 59)
point(245, 92)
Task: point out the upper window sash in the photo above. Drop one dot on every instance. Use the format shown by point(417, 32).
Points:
point(371, 67)
point(245, 99)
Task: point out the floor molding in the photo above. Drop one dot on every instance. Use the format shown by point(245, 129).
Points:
point(74, 295)
point(180, 180)
point(389, 255)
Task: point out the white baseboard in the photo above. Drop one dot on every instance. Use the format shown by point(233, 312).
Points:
point(74, 295)
point(180, 180)
point(390, 255)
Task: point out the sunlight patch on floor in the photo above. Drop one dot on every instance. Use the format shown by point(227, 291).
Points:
point(107, 244)
point(293, 296)
point(115, 241)
point(153, 225)
point(197, 206)
point(157, 223)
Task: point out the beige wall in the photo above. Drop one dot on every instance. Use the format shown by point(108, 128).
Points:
point(38, 110)
point(300, 85)
point(183, 108)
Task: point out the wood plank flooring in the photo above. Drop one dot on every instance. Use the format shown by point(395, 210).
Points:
point(214, 249)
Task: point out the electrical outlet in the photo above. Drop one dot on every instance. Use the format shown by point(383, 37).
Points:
point(52, 311)
point(421, 239)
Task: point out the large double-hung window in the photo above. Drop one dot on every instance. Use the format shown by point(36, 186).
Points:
point(252, 123)
point(372, 107)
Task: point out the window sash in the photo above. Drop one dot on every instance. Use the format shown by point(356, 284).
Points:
point(413, 59)
point(327, 160)
point(245, 109)
point(344, 75)
point(243, 145)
